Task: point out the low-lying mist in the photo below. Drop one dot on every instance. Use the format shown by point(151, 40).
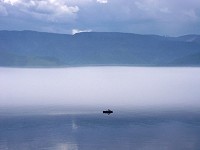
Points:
point(101, 86)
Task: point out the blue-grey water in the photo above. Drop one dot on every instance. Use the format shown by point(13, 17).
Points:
point(167, 130)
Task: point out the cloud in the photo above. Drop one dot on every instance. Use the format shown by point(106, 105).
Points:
point(3, 11)
point(49, 10)
point(102, 1)
point(152, 7)
point(12, 2)
point(172, 8)
point(191, 14)
point(74, 31)
point(171, 17)
point(79, 2)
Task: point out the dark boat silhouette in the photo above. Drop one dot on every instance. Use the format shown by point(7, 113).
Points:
point(108, 112)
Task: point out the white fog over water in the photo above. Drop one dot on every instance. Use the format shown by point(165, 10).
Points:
point(101, 86)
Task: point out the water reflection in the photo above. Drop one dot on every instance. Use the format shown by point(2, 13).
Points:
point(88, 132)
point(74, 125)
point(65, 146)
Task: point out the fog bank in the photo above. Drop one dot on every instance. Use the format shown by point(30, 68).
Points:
point(101, 86)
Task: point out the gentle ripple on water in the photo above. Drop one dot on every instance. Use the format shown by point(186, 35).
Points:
point(98, 131)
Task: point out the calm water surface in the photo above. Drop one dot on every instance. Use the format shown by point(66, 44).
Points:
point(138, 131)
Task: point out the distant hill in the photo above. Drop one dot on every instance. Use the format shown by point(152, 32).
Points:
point(38, 49)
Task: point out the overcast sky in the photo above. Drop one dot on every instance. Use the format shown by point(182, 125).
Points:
point(163, 17)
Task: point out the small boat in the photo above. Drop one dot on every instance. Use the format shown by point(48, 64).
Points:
point(108, 112)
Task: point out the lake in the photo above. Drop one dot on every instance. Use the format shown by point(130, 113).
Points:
point(87, 131)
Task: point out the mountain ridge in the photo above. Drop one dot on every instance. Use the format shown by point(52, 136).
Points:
point(31, 48)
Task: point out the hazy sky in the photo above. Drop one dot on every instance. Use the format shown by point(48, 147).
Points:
point(163, 17)
point(101, 86)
